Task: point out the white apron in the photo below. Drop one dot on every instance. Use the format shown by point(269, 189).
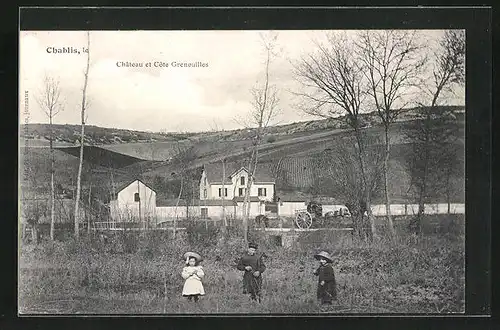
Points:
point(193, 283)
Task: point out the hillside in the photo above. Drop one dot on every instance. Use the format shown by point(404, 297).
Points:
point(293, 146)
point(292, 160)
point(95, 135)
point(102, 136)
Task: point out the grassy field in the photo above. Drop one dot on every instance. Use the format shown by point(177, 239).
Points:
point(141, 274)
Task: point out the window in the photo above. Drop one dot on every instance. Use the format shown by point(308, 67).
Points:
point(262, 192)
point(220, 192)
point(136, 197)
point(242, 181)
point(204, 193)
point(204, 212)
point(242, 191)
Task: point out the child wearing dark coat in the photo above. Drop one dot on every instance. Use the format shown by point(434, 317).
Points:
point(327, 286)
point(253, 266)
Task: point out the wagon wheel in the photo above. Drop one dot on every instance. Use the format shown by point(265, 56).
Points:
point(303, 219)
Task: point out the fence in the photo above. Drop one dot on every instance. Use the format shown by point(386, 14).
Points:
point(164, 224)
point(116, 226)
point(412, 209)
point(168, 223)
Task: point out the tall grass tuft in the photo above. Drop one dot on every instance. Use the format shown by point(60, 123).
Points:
point(132, 272)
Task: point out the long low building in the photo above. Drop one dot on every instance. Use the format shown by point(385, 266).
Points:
point(137, 202)
point(170, 209)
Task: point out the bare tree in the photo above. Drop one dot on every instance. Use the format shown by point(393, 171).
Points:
point(184, 156)
point(264, 102)
point(433, 160)
point(82, 139)
point(448, 65)
point(451, 166)
point(433, 133)
point(333, 84)
point(394, 61)
point(224, 150)
point(49, 101)
point(339, 171)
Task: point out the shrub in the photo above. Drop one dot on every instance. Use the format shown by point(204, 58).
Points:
point(152, 242)
point(271, 139)
point(200, 235)
point(421, 274)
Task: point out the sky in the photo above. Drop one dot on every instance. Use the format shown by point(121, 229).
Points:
point(160, 98)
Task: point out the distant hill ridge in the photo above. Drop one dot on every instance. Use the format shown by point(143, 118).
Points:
point(95, 135)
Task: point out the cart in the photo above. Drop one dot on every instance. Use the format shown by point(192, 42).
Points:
point(317, 212)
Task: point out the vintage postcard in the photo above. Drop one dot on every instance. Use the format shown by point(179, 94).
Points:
point(242, 172)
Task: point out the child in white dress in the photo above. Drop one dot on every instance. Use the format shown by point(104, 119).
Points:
point(193, 273)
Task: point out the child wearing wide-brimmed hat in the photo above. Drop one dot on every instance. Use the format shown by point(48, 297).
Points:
point(327, 286)
point(193, 273)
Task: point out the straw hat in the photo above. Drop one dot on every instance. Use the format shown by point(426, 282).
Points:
point(189, 255)
point(323, 255)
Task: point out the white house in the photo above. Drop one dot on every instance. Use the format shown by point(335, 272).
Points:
point(134, 201)
point(213, 187)
point(257, 206)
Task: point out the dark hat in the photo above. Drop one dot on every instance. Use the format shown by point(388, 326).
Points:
point(323, 255)
point(253, 245)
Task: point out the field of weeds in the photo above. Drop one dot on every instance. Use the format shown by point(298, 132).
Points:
point(130, 273)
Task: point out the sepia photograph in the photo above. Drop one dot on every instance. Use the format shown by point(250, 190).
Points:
point(242, 172)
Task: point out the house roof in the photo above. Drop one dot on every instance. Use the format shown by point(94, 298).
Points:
point(124, 182)
point(216, 202)
point(162, 201)
point(242, 198)
point(213, 172)
point(236, 171)
point(292, 199)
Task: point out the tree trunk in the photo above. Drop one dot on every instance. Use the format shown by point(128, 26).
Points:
point(448, 188)
point(78, 182)
point(139, 207)
point(422, 193)
point(366, 184)
point(52, 190)
point(193, 198)
point(386, 183)
point(224, 194)
point(34, 233)
point(188, 200)
point(82, 135)
point(370, 216)
point(251, 174)
point(90, 208)
point(246, 200)
point(206, 222)
point(176, 205)
point(422, 190)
